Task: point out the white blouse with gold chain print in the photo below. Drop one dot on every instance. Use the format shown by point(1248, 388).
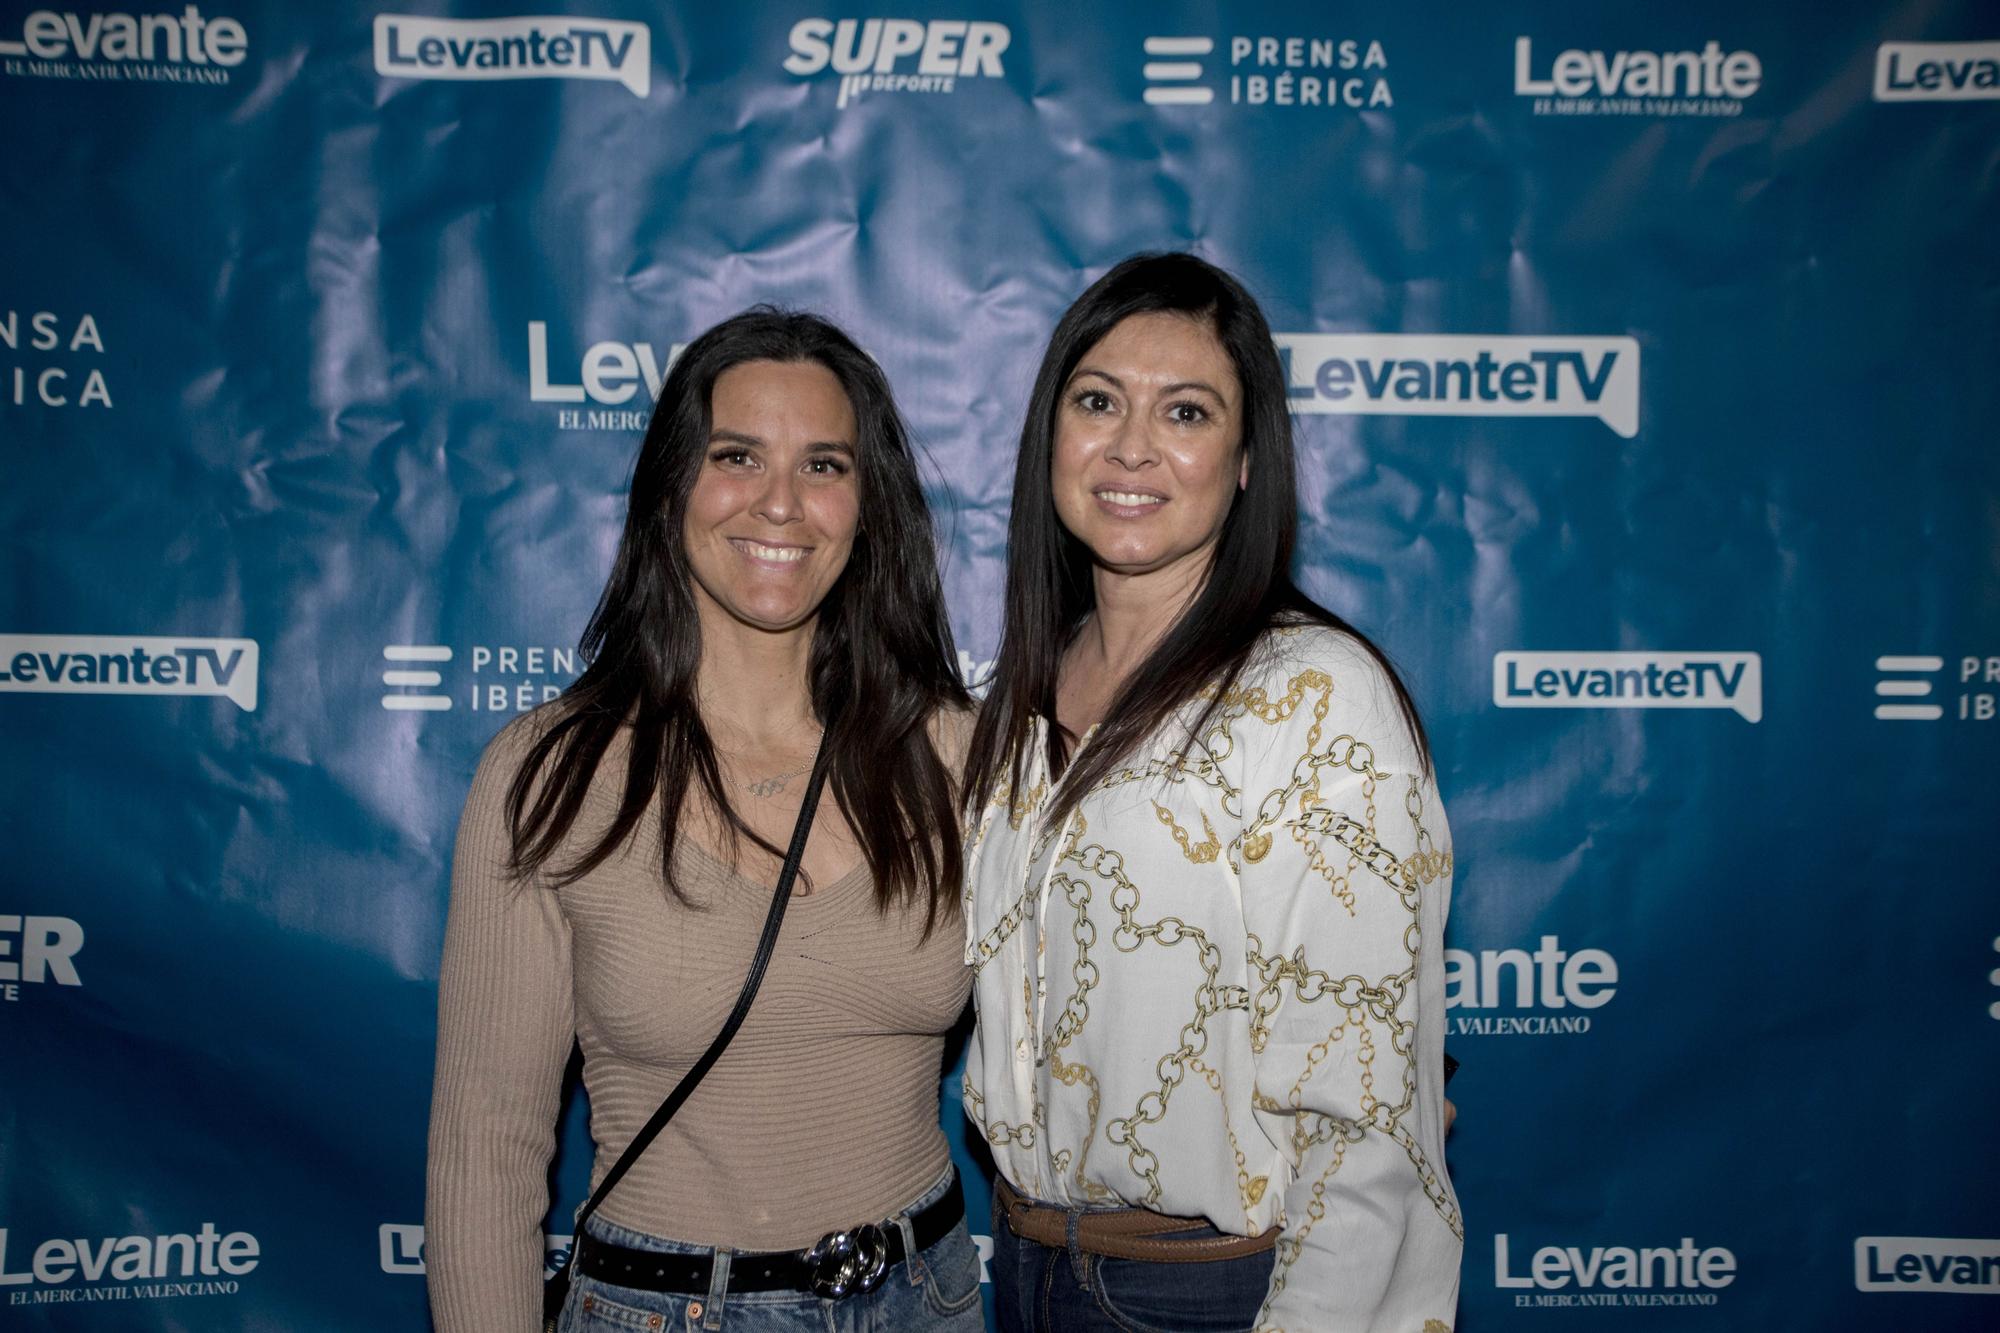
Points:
point(1217, 990)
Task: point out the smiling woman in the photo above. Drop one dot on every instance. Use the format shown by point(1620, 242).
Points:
point(1207, 876)
point(774, 601)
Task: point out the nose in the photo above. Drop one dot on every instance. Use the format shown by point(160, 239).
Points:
point(1133, 447)
point(778, 502)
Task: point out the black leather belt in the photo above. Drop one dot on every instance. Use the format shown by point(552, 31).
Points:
point(841, 1263)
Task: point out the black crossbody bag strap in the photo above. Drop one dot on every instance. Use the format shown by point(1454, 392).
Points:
point(556, 1290)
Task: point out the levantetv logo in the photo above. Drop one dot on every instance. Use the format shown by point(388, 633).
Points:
point(150, 48)
point(401, 1249)
point(1937, 71)
point(1464, 375)
point(1927, 1263)
point(1631, 680)
point(412, 46)
point(108, 664)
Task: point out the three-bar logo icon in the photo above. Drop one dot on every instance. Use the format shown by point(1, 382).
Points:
point(1902, 679)
point(1171, 77)
point(404, 681)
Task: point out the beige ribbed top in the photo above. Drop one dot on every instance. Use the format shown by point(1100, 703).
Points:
point(822, 1113)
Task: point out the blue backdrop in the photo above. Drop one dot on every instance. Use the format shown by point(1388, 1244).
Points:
point(1644, 371)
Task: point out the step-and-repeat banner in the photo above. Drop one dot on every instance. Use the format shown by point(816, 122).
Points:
point(1643, 362)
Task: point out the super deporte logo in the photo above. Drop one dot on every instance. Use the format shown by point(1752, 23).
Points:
point(1734, 681)
point(38, 949)
point(109, 664)
point(187, 47)
point(414, 46)
point(897, 55)
point(1464, 375)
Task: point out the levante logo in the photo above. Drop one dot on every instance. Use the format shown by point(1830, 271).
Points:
point(897, 55)
point(1616, 1275)
point(1464, 375)
point(413, 46)
point(610, 375)
point(1513, 992)
point(126, 1268)
point(109, 664)
point(150, 48)
point(1708, 82)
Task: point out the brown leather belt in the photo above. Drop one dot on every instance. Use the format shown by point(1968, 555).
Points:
point(1124, 1233)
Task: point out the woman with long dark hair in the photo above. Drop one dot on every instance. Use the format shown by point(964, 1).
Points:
point(774, 600)
point(1207, 869)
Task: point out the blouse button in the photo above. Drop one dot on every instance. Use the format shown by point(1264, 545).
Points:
point(1023, 1051)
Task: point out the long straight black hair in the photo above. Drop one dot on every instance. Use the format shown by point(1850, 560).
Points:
point(882, 660)
point(1248, 588)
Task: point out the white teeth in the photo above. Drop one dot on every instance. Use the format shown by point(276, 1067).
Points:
point(785, 554)
point(1129, 498)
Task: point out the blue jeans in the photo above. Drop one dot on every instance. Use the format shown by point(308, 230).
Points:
point(1043, 1289)
point(937, 1291)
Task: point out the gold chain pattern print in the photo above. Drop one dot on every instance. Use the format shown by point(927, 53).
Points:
point(1217, 989)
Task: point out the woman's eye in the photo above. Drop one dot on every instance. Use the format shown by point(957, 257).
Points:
point(1187, 414)
point(826, 467)
point(731, 457)
point(1090, 400)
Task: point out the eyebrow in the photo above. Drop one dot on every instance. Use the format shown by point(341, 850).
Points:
point(816, 447)
point(1179, 386)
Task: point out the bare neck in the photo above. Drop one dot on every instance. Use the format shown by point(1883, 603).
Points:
point(754, 685)
point(1134, 612)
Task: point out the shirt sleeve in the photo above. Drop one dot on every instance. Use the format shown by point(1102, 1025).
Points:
point(505, 1024)
point(1345, 873)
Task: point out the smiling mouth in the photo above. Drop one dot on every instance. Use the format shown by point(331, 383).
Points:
point(1130, 499)
point(779, 555)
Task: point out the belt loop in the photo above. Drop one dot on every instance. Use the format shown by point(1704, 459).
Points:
point(913, 1264)
point(718, 1288)
point(1079, 1262)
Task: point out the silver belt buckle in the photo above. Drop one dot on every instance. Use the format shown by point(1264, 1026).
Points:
point(846, 1263)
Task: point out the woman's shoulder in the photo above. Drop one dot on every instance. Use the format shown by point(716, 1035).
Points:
point(1294, 648)
point(1334, 678)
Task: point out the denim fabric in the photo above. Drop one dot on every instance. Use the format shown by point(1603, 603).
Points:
point(935, 1292)
point(1044, 1289)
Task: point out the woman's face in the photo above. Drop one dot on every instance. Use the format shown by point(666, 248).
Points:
point(1148, 444)
point(771, 519)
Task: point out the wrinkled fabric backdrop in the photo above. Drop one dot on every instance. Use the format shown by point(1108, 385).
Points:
point(1644, 376)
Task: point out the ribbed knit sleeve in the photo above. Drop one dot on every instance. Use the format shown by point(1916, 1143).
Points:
point(505, 1023)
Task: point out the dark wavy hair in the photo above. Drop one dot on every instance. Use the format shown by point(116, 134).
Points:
point(882, 658)
point(1248, 588)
